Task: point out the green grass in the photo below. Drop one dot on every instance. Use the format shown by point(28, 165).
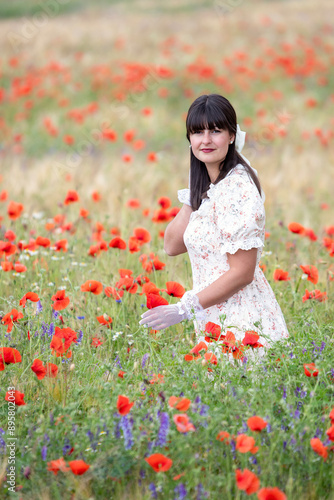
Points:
point(75, 415)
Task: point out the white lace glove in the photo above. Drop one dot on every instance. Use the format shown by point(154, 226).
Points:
point(162, 317)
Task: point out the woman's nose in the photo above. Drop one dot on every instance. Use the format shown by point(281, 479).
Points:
point(206, 136)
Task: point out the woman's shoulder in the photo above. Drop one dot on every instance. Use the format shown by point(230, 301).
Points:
point(237, 183)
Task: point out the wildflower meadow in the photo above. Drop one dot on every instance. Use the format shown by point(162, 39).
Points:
point(93, 102)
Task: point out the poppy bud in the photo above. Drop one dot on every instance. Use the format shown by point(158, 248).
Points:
point(135, 365)
point(72, 366)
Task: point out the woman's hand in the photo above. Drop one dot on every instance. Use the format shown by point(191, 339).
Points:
point(162, 317)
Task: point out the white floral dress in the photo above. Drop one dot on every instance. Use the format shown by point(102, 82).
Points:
point(232, 217)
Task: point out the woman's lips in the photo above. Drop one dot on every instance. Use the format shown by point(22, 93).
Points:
point(207, 150)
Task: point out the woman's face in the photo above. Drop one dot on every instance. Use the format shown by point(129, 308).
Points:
point(211, 146)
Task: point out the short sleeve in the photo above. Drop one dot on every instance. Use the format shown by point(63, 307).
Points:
point(184, 196)
point(239, 214)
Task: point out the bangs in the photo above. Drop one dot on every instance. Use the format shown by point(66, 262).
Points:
point(205, 116)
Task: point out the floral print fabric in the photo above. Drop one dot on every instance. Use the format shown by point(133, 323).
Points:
point(232, 217)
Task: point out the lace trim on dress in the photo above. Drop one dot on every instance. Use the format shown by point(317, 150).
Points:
point(184, 196)
point(190, 305)
point(232, 248)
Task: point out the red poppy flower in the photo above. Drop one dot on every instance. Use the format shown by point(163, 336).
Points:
point(104, 320)
point(117, 242)
point(251, 338)
point(161, 215)
point(96, 342)
point(96, 196)
point(312, 273)
point(38, 368)
point(164, 202)
point(78, 467)
point(191, 357)
point(60, 245)
point(42, 242)
point(124, 405)
point(92, 286)
point(316, 295)
point(10, 318)
point(18, 397)
point(142, 235)
point(223, 436)
point(198, 348)
point(56, 465)
point(133, 244)
point(280, 275)
point(121, 374)
point(330, 433)
point(109, 134)
point(57, 345)
point(296, 228)
point(128, 284)
point(247, 481)
point(60, 300)
point(151, 157)
point(3, 195)
point(215, 332)
point(271, 494)
point(129, 135)
point(319, 448)
point(7, 266)
point(174, 289)
point(71, 197)
point(246, 444)
point(133, 203)
point(211, 358)
point(309, 233)
point(311, 370)
point(14, 210)
point(83, 213)
point(19, 268)
point(51, 370)
point(154, 300)
point(181, 404)
point(256, 424)
point(29, 296)
point(7, 248)
point(331, 416)
point(112, 292)
point(159, 462)
point(149, 287)
point(10, 235)
point(9, 355)
point(182, 422)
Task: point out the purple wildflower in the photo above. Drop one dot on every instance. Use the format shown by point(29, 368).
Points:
point(80, 336)
point(180, 491)
point(44, 451)
point(201, 493)
point(126, 426)
point(153, 490)
point(144, 359)
point(164, 429)
point(39, 307)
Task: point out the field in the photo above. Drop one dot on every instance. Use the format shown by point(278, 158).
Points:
point(93, 150)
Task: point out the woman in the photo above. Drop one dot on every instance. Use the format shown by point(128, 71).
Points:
point(221, 226)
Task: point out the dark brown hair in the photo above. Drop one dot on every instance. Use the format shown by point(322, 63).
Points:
point(208, 112)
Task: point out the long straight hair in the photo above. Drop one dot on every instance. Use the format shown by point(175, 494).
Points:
point(208, 112)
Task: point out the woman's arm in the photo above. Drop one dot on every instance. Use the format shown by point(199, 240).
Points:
point(173, 239)
point(241, 273)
